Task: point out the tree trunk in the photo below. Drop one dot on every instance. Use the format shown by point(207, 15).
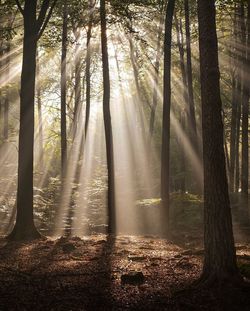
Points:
point(191, 110)
point(183, 114)
point(77, 87)
point(40, 116)
point(220, 256)
point(6, 101)
point(165, 154)
point(234, 71)
point(107, 122)
point(64, 90)
point(24, 227)
point(237, 144)
point(156, 71)
point(88, 64)
point(245, 110)
point(233, 136)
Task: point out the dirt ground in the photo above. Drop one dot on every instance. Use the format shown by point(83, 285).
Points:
point(100, 273)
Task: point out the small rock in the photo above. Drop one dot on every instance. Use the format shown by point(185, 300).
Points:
point(136, 258)
point(133, 278)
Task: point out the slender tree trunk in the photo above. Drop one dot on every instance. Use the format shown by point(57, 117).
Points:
point(234, 70)
point(40, 116)
point(107, 122)
point(157, 70)
point(77, 87)
point(24, 227)
point(165, 154)
point(6, 101)
point(245, 111)
point(64, 90)
point(233, 136)
point(239, 18)
point(220, 256)
point(191, 111)
point(238, 132)
point(88, 64)
point(183, 114)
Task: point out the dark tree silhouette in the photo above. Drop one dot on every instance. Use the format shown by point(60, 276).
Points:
point(64, 90)
point(107, 121)
point(220, 255)
point(88, 64)
point(165, 153)
point(245, 109)
point(191, 110)
point(24, 227)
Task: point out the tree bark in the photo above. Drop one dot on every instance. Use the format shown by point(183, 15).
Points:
point(220, 255)
point(107, 122)
point(40, 116)
point(88, 64)
point(24, 227)
point(6, 101)
point(234, 71)
point(77, 86)
point(64, 90)
point(191, 110)
point(165, 154)
point(245, 109)
point(157, 70)
point(183, 113)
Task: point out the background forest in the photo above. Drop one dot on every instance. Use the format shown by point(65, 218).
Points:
point(69, 90)
point(128, 118)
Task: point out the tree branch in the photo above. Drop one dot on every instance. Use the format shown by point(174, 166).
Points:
point(45, 22)
point(19, 7)
point(42, 14)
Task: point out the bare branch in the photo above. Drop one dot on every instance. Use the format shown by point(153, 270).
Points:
point(19, 7)
point(43, 26)
point(42, 14)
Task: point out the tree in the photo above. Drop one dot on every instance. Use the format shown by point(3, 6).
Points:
point(88, 64)
point(165, 153)
point(24, 227)
point(183, 113)
point(64, 90)
point(40, 115)
point(107, 121)
point(245, 107)
point(191, 110)
point(235, 101)
point(220, 256)
point(157, 68)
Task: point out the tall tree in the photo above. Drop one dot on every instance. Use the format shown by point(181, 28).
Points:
point(183, 113)
point(165, 153)
point(245, 107)
point(6, 101)
point(64, 89)
point(234, 70)
point(191, 110)
point(40, 115)
point(157, 68)
point(77, 86)
point(88, 64)
point(220, 256)
point(107, 121)
point(34, 26)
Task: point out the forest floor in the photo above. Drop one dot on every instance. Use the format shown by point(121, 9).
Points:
point(125, 273)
